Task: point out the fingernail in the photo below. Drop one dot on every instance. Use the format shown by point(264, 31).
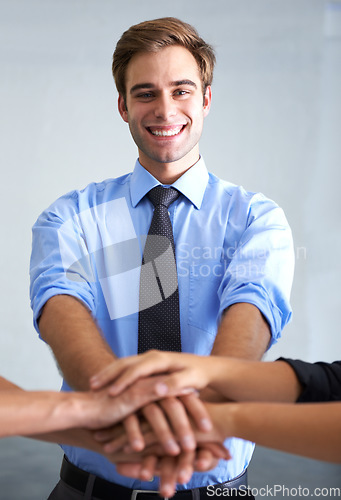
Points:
point(201, 464)
point(183, 476)
point(205, 424)
point(161, 389)
point(167, 490)
point(188, 442)
point(172, 446)
point(94, 381)
point(137, 444)
point(145, 475)
point(187, 390)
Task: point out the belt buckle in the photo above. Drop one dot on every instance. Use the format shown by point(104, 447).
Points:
point(135, 493)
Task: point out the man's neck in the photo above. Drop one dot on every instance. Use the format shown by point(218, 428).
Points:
point(167, 173)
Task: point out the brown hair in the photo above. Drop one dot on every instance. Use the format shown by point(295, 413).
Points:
point(154, 35)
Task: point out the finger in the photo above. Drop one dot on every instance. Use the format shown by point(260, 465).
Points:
point(110, 372)
point(217, 449)
point(205, 460)
point(181, 382)
point(145, 365)
point(115, 445)
point(124, 372)
point(159, 424)
point(198, 411)
point(129, 469)
point(177, 416)
point(149, 439)
point(133, 431)
point(148, 465)
point(134, 398)
point(185, 466)
point(113, 439)
point(110, 433)
point(168, 472)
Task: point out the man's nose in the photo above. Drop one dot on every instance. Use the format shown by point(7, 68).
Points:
point(165, 107)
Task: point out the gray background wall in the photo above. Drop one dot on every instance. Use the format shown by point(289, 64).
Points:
point(274, 127)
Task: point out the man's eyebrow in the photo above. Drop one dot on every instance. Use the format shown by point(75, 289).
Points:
point(176, 83)
point(140, 86)
point(184, 82)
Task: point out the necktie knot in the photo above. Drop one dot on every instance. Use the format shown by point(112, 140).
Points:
point(163, 196)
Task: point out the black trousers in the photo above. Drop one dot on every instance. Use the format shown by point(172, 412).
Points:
point(62, 491)
point(77, 484)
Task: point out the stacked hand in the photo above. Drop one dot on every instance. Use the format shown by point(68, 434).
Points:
point(171, 437)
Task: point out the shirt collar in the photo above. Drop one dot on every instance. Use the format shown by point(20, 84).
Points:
point(191, 184)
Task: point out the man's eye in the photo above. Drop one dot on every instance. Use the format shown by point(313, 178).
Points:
point(181, 92)
point(145, 95)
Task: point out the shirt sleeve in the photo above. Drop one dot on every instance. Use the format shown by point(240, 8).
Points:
point(261, 268)
point(60, 262)
point(320, 381)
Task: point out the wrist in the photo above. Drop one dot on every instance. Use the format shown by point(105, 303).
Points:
point(224, 371)
point(77, 409)
point(224, 417)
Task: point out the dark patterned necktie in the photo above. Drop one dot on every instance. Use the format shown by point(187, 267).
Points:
point(159, 316)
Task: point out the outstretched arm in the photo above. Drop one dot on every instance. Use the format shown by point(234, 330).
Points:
point(312, 430)
point(34, 413)
point(235, 379)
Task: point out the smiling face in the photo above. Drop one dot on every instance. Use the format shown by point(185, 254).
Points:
point(165, 110)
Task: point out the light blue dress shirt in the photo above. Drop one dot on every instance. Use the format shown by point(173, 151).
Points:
point(231, 246)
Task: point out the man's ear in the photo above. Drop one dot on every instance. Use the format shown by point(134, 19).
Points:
point(122, 109)
point(207, 100)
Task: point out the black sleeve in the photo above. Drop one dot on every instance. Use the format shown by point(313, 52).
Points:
point(320, 381)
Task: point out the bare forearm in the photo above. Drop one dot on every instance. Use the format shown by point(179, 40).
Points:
point(243, 380)
point(312, 430)
point(243, 333)
point(29, 413)
point(38, 414)
point(68, 327)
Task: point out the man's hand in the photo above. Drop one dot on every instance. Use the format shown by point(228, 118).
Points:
point(101, 410)
point(172, 470)
point(171, 421)
point(176, 469)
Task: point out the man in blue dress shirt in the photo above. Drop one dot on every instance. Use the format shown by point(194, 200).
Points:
point(234, 249)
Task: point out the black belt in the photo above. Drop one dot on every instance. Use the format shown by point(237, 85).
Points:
point(105, 490)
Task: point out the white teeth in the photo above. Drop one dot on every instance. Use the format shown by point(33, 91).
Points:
point(166, 133)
